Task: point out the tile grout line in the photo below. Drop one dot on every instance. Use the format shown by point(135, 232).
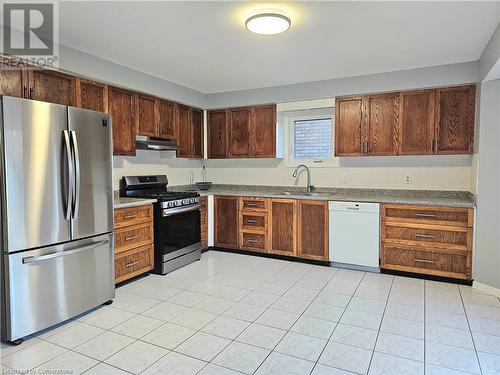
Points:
point(337, 323)
point(380, 325)
point(470, 331)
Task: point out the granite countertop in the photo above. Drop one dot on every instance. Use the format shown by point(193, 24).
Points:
point(121, 202)
point(415, 197)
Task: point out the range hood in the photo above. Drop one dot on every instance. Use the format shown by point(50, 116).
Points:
point(143, 142)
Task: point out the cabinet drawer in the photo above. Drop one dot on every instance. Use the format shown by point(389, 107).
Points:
point(428, 214)
point(133, 215)
point(426, 261)
point(132, 263)
point(134, 236)
point(253, 204)
point(253, 241)
point(457, 237)
point(254, 221)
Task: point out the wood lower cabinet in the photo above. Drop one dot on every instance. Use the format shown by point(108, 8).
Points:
point(226, 221)
point(253, 224)
point(134, 242)
point(217, 128)
point(204, 223)
point(283, 227)
point(122, 108)
point(427, 239)
point(91, 95)
point(312, 232)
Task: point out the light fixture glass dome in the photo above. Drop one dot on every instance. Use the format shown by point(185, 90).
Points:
point(268, 23)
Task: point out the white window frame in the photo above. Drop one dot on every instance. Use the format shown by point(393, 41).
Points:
point(313, 114)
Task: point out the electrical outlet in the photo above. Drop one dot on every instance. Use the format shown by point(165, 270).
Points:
point(407, 179)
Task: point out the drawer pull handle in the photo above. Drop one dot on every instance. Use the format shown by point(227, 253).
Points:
point(252, 241)
point(250, 204)
point(131, 264)
point(130, 216)
point(250, 221)
point(423, 261)
point(425, 215)
point(425, 236)
point(131, 238)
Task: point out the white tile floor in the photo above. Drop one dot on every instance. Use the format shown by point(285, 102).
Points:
point(232, 314)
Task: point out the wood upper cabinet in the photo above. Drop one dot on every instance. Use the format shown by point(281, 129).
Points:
point(14, 82)
point(312, 236)
point(283, 227)
point(183, 131)
point(122, 108)
point(147, 123)
point(455, 112)
point(91, 95)
point(239, 132)
point(166, 119)
point(51, 86)
point(416, 122)
point(217, 133)
point(263, 131)
point(196, 133)
point(348, 131)
point(380, 122)
point(226, 221)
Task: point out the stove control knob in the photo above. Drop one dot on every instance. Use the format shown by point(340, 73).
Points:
point(185, 201)
point(171, 204)
point(178, 203)
point(192, 200)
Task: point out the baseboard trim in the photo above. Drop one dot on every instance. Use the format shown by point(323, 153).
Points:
point(486, 288)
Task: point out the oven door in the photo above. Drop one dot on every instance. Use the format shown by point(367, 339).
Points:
point(177, 232)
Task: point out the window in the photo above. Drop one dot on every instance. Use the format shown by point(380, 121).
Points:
point(310, 137)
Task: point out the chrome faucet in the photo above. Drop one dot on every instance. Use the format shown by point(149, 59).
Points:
point(309, 187)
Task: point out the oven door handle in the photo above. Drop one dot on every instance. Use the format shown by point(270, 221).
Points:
point(180, 210)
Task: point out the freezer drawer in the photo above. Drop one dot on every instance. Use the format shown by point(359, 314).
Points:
point(47, 286)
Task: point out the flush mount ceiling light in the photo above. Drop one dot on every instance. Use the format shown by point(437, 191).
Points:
point(268, 23)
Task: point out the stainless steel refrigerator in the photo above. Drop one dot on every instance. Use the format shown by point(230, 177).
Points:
point(57, 214)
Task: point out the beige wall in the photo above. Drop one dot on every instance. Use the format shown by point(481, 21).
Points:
point(429, 173)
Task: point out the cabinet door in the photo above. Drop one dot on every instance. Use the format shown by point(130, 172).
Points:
point(226, 221)
point(122, 108)
point(183, 131)
point(283, 226)
point(197, 133)
point(381, 122)
point(146, 115)
point(312, 237)
point(416, 128)
point(14, 82)
point(53, 87)
point(204, 222)
point(166, 119)
point(348, 126)
point(91, 95)
point(263, 131)
point(455, 108)
point(217, 134)
point(239, 132)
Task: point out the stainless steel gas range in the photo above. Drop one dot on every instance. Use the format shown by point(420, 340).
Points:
point(176, 220)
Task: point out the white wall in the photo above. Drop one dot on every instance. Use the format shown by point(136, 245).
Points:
point(428, 173)
point(486, 265)
point(154, 162)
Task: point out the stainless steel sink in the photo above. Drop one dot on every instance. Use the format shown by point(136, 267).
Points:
point(305, 194)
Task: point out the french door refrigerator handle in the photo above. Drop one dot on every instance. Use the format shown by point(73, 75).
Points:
point(59, 254)
point(76, 156)
point(69, 165)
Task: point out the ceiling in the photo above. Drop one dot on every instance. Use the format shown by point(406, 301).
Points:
point(205, 46)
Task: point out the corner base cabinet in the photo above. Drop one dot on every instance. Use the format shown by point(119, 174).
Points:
point(427, 240)
point(134, 247)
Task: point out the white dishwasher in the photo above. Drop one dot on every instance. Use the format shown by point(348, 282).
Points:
point(354, 231)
